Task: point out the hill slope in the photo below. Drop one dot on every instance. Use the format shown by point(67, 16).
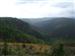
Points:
point(58, 28)
point(13, 29)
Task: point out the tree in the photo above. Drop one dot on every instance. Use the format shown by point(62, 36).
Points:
point(5, 49)
point(59, 51)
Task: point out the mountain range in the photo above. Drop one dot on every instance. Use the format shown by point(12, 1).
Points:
point(45, 30)
point(57, 29)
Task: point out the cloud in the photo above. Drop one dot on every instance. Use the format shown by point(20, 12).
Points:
point(29, 1)
point(64, 4)
point(36, 8)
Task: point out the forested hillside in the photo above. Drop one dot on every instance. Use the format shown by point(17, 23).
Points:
point(54, 29)
point(15, 30)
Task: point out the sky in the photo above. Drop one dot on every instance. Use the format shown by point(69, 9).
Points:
point(37, 8)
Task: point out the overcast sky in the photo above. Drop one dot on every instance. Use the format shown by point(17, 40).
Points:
point(37, 8)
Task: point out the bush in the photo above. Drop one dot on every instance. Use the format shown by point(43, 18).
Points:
point(59, 51)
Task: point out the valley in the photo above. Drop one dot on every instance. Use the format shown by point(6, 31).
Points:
point(54, 36)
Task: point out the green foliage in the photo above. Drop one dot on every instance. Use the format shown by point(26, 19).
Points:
point(15, 30)
point(59, 51)
point(5, 49)
point(33, 50)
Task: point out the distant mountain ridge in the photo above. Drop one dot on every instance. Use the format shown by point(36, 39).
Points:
point(33, 21)
point(57, 28)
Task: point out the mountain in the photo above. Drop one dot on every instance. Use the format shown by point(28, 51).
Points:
point(33, 21)
point(16, 30)
point(57, 28)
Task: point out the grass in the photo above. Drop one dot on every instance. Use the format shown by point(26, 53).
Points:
point(26, 49)
point(29, 49)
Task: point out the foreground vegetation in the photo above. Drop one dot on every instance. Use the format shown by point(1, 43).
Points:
point(27, 49)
